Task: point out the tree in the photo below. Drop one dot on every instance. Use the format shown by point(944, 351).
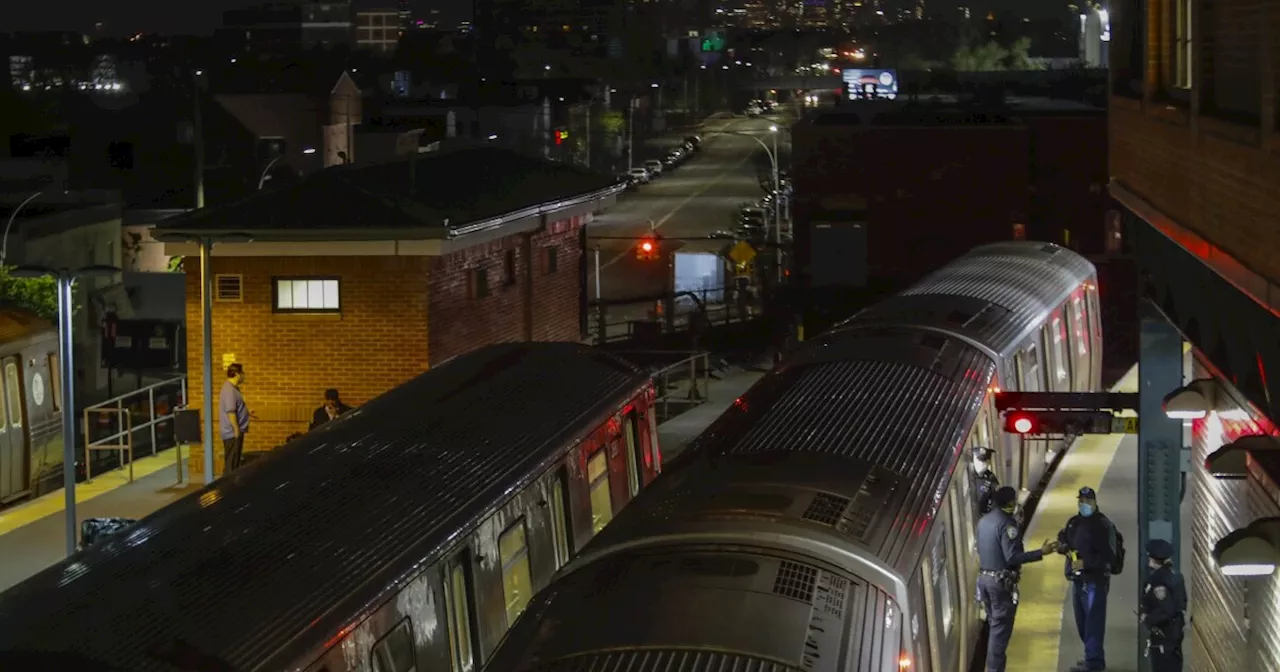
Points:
point(991, 57)
point(38, 295)
point(612, 122)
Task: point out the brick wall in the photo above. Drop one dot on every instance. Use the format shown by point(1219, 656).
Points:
point(536, 304)
point(379, 340)
point(1214, 179)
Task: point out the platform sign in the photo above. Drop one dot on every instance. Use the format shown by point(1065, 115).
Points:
point(742, 253)
point(1121, 425)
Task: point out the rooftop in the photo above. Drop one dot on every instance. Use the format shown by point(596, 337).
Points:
point(432, 195)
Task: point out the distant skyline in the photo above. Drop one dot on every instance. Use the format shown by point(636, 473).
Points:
point(126, 17)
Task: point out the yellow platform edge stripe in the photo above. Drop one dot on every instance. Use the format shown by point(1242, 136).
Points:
point(54, 502)
point(1037, 631)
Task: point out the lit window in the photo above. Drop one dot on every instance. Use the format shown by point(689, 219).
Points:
point(13, 388)
point(1059, 350)
point(460, 618)
point(307, 295)
point(560, 521)
point(517, 585)
point(633, 474)
point(601, 498)
point(1182, 45)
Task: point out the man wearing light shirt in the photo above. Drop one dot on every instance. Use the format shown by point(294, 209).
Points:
point(233, 418)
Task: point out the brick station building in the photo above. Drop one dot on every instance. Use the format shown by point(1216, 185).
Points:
point(359, 278)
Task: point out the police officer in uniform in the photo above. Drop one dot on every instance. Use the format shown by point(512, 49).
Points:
point(987, 481)
point(1164, 601)
point(1000, 557)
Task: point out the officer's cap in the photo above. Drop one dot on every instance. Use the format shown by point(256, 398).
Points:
point(1005, 496)
point(1088, 493)
point(1159, 549)
point(981, 453)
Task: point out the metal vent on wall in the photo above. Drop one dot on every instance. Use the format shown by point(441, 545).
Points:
point(795, 581)
point(228, 287)
point(826, 509)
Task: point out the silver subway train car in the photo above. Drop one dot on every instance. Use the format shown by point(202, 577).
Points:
point(407, 535)
point(825, 523)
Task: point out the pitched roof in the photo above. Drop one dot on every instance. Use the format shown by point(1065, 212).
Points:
point(437, 191)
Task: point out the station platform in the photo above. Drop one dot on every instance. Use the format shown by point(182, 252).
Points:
point(32, 534)
point(1044, 634)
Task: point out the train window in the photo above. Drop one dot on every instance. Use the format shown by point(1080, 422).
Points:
point(13, 388)
point(1061, 367)
point(633, 466)
point(459, 604)
point(601, 498)
point(394, 652)
point(517, 585)
point(560, 525)
point(55, 381)
point(1077, 317)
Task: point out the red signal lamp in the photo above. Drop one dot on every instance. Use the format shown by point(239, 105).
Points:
point(646, 246)
point(1020, 423)
point(647, 249)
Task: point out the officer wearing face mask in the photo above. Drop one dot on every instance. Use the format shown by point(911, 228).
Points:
point(1090, 542)
point(1164, 603)
point(1001, 556)
point(987, 481)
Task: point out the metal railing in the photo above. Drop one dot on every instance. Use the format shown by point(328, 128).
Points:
point(680, 384)
point(617, 320)
point(137, 423)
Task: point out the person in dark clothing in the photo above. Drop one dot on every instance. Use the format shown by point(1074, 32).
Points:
point(1089, 542)
point(1164, 603)
point(329, 410)
point(987, 481)
point(1000, 558)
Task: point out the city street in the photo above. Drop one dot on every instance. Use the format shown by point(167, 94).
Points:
point(693, 201)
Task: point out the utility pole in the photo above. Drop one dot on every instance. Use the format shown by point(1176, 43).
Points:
point(197, 139)
point(631, 136)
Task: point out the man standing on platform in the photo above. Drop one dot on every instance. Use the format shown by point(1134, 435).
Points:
point(1092, 545)
point(1000, 558)
point(234, 418)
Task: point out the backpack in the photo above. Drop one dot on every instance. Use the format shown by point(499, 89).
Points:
point(1117, 563)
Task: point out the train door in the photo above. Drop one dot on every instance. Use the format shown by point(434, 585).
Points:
point(635, 468)
point(460, 603)
point(964, 547)
point(940, 602)
point(1058, 362)
point(1082, 354)
point(598, 486)
point(13, 441)
point(560, 522)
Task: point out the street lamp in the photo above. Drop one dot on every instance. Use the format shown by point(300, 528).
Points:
point(4, 247)
point(66, 278)
point(206, 242)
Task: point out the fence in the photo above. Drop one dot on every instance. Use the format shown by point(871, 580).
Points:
point(682, 378)
point(134, 424)
point(621, 320)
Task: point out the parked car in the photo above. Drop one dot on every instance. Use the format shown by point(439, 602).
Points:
point(639, 174)
point(654, 167)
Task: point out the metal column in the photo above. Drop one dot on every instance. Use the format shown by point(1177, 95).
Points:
point(1159, 443)
point(206, 309)
point(65, 306)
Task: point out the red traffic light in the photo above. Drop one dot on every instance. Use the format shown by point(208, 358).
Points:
point(647, 249)
point(1020, 423)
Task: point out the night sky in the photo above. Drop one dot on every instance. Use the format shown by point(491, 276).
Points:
point(126, 17)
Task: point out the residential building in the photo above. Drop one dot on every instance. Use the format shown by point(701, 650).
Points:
point(378, 30)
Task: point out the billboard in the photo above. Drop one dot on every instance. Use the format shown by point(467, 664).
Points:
point(862, 84)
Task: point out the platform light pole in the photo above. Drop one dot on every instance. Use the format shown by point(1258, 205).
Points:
point(4, 246)
point(65, 280)
point(206, 242)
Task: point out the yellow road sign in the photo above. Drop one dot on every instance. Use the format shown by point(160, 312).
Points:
point(1124, 425)
point(742, 252)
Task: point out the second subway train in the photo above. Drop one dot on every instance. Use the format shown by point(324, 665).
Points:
point(826, 522)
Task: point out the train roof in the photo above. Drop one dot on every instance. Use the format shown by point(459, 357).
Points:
point(328, 525)
point(996, 294)
point(872, 417)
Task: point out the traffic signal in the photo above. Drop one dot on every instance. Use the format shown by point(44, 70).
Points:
point(647, 249)
point(1061, 423)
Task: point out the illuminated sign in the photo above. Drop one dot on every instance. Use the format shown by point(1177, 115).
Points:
point(871, 83)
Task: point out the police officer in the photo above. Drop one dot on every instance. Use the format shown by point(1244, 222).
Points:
point(987, 481)
point(1089, 542)
point(1164, 601)
point(1000, 557)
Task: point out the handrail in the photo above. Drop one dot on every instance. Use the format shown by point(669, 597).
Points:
point(697, 393)
point(123, 439)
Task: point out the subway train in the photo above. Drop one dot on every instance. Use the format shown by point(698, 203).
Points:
point(406, 535)
point(825, 522)
point(31, 406)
